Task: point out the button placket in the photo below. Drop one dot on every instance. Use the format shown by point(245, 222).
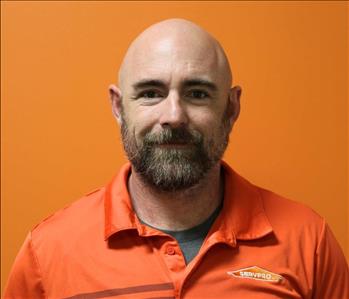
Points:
point(173, 257)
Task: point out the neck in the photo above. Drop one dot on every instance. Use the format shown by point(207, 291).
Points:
point(176, 210)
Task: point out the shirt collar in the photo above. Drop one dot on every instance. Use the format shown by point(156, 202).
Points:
point(242, 217)
point(243, 210)
point(119, 214)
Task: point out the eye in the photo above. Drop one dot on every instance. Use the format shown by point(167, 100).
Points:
point(198, 94)
point(149, 94)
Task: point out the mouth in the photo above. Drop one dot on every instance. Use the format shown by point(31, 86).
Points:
point(174, 145)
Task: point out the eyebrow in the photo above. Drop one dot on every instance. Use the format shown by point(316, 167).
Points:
point(148, 83)
point(187, 83)
point(200, 82)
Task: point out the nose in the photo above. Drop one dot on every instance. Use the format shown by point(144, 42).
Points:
point(173, 112)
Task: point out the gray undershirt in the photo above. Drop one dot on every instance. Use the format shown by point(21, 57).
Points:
point(190, 240)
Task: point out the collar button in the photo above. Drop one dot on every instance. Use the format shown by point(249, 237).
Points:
point(170, 250)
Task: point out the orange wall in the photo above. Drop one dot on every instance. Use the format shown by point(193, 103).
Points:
point(59, 139)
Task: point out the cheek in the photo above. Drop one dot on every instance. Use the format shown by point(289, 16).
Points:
point(205, 121)
point(144, 120)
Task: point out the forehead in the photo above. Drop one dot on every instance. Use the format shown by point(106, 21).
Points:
point(172, 62)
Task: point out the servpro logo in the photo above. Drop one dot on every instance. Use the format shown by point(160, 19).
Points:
point(256, 273)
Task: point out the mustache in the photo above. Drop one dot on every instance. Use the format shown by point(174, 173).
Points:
point(173, 135)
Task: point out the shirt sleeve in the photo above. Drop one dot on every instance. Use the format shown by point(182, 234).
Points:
point(331, 269)
point(25, 280)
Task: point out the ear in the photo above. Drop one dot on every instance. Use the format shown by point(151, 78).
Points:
point(116, 104)
point(234, 104)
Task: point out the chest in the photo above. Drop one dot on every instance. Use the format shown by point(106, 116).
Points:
point(156, 268)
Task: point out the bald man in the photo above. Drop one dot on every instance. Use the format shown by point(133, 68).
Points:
point(178, 222)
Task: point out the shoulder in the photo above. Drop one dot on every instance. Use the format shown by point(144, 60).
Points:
point(76, 219)
point(291, 219)
point(83, 221)
point(287, 218)
point(278, 206)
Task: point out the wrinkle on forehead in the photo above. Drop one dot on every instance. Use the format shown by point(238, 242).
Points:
point(175, 40)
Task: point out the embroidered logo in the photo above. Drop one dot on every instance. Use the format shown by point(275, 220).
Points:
point(256, 273)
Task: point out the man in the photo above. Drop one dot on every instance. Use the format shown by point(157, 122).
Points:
point(177, 222)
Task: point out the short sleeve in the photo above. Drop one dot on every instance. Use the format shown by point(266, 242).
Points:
point(331, 269)
point(25, 279)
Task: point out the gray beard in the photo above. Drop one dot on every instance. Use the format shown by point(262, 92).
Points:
point(174, 169)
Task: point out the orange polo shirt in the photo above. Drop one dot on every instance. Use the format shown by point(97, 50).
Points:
point(260, 246)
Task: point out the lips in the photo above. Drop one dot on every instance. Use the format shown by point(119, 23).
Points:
point(172, 138)
point(175, 144)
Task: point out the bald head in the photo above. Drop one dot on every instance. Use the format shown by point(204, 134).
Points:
point(172, 41)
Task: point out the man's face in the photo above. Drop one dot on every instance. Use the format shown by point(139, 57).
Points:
point(175, 124)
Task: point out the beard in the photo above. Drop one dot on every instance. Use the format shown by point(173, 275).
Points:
point(181, 166)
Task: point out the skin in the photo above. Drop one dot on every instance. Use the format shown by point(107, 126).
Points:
point(175, 52)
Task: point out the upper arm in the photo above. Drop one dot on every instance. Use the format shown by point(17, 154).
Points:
point(331, 269)
point(25, 279)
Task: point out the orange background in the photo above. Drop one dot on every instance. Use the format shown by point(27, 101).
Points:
point(59, 139)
